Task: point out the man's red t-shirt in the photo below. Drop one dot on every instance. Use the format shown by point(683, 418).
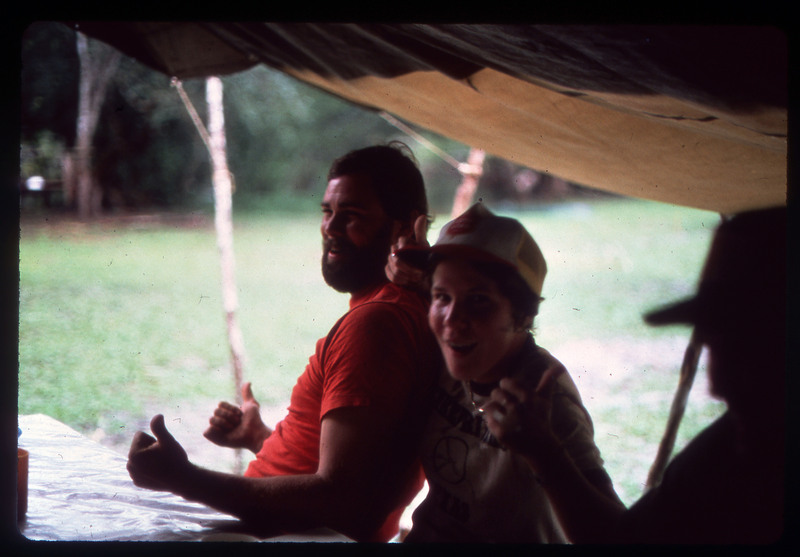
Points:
point(380, 353)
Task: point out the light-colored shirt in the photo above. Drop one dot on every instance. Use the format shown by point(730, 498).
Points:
point(478, 490)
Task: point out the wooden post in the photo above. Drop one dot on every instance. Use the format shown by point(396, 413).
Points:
point(688, 371)
point(214, 139)
point(471, 172)
point(223, 222)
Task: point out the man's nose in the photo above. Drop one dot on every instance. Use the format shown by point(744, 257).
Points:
point(333, 225)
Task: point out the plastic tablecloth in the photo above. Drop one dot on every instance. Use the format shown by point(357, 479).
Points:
point(79, 490)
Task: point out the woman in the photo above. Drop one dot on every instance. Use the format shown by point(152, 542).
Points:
point(486, 275)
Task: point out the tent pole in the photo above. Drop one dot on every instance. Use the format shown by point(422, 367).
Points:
point(223, 222)
point(214, 138)
point(688, 372)
point(471, 174)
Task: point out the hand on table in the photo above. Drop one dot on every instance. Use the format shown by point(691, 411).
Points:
point(158, 463)
point(238, 427)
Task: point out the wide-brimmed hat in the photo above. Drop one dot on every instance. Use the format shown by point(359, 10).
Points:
point(480, 235)
point(745, 270)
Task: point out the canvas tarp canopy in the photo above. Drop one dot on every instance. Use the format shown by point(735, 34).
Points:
point(695, 116)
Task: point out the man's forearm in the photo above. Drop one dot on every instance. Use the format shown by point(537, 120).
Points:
point(586, 513)
point(276, 504)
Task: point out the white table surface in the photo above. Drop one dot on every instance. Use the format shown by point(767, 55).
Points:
point(79, 490)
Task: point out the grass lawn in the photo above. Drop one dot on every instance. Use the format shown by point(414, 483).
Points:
point(123, 315)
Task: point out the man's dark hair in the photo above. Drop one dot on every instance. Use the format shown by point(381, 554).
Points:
point(395, 177)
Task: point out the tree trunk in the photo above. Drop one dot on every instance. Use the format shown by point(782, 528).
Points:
point(68, 179)
point(97, 66)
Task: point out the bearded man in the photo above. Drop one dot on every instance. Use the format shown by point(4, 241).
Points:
point(344, 456)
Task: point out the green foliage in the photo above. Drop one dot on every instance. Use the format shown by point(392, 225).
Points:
point(48, 82)
point(151, 154)
point(42, 156)
point(281, 134)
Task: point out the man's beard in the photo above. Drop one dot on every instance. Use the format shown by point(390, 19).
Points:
point(361, 266)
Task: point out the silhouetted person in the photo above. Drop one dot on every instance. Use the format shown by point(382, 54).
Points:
point(727, 484)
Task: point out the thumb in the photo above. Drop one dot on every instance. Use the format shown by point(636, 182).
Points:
point(247, 392)
point(547, 383)
point(159, 429)
point(421, 231)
